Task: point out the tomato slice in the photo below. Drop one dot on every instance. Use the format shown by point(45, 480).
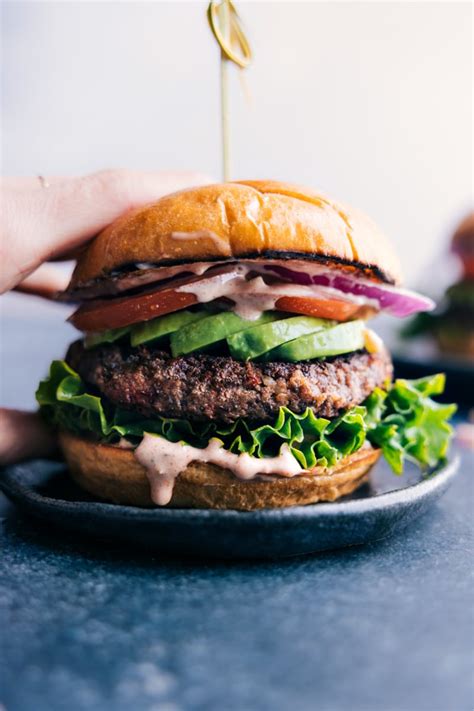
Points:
point(334, 309)
point(103, 315)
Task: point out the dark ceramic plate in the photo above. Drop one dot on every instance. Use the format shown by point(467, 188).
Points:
point(420, 357)
point(385, 506)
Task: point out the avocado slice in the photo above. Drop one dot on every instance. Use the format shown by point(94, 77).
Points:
point(256, 341)
point(212, 329)
point(94, 339)
point(343, 338)
point(163, 325)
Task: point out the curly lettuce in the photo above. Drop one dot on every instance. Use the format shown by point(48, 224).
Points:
point(404, 421)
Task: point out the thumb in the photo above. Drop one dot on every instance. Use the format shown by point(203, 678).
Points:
point(44, 224)
point(23, 435)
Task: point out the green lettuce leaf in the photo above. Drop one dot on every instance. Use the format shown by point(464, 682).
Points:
point(406, 423)
point(403, 420)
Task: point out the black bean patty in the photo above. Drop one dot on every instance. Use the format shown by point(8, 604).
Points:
point(204, 387)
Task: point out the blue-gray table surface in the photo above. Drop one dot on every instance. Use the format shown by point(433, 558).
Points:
point(385, 627)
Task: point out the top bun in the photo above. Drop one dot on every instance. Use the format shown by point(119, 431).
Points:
point(246, 219)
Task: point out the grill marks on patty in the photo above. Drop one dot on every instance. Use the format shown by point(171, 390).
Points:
point(204, 387)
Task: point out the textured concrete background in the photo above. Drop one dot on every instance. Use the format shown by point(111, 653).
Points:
point(386, 627)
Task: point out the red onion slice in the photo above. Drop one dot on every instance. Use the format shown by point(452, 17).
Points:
point(398, 302)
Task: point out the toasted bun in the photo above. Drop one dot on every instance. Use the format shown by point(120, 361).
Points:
point(114, 474)
point(248, 219)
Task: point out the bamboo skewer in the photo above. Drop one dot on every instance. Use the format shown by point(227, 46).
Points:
point(227, 29)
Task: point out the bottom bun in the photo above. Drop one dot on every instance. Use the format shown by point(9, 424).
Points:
point(113, 474)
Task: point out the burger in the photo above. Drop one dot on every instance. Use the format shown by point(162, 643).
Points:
point(452, 324)
point(454, 329)
point(225, 359)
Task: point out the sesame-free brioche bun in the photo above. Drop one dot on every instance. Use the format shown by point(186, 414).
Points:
point(114, 474)
point(248, 219)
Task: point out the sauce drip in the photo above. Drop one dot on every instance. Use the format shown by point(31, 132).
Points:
point(150, 273)
point(164, 461)
point(252, 297)
point(219, 242)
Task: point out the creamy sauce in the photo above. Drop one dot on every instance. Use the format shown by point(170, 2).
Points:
point(219, 242)
point(252, 297)
point(150, 273)
point(145, 274)
point(124, 444)
point(164, 461)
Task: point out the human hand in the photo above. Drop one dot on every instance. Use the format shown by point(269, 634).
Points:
point(53, 219)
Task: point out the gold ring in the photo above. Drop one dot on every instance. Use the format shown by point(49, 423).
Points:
point(44, 183)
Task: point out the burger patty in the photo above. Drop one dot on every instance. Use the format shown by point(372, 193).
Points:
point(219, 388)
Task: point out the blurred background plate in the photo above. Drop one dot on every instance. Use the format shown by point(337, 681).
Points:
point(420, 357)
point(408, 363)
point(381, 508)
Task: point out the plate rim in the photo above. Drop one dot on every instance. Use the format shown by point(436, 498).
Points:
point(450, 364)
point(15, 491)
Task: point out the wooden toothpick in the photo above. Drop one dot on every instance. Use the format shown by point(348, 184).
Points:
point(227, 29)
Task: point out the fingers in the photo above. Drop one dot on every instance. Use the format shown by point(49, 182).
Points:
point(42, 224)
point(23, 435)
point(46, 281)
point(79, 209)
